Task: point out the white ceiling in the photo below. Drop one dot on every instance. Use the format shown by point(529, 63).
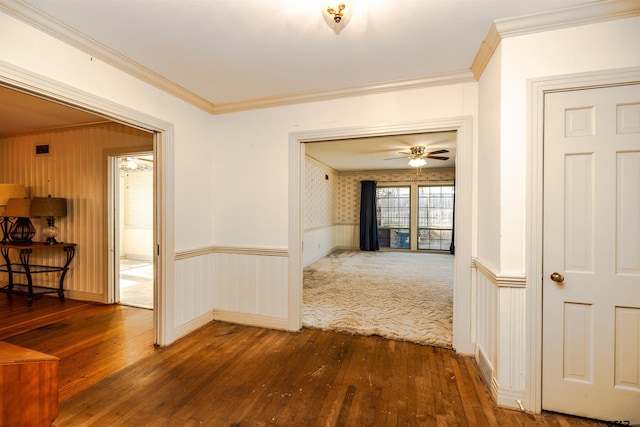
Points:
point(227, 51)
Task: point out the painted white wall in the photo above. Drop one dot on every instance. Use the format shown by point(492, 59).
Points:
point(607, 45)
point(251, 176)
point(489, 142)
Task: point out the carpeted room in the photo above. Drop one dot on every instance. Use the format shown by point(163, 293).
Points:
point(405, 296)
point(405, 290)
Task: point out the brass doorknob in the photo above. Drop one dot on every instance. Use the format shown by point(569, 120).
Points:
point(557, 277)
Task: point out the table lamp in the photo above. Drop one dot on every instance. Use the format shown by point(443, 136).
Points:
point(50, 208)
point(9, 191)
point(22, 230)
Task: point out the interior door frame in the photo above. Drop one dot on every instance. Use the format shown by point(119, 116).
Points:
point(113, 223)
point(463, 296)
point(536, 90)
point(163, 148)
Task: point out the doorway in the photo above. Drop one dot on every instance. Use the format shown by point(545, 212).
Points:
point(462, 316)
point(133, 230)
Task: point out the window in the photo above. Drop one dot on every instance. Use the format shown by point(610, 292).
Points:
point(416, 217)
point(394, 216)
point(435, 217)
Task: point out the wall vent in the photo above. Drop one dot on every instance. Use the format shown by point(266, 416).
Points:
point(42, 149)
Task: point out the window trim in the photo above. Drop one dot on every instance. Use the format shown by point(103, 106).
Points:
point(413, 206)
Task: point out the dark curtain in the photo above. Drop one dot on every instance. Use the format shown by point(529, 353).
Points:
point(368, 217)
point(452, 248)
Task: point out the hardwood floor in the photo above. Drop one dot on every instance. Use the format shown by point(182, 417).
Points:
point(231, 375)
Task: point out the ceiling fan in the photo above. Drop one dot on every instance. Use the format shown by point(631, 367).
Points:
point(418, 156)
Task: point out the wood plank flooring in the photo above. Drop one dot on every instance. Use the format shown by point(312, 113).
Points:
point(231, 375)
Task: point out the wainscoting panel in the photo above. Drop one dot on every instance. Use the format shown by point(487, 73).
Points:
point(251, 284)
point(194, 288)
point(239, 285)
point(500, 332)
point(347, 236)
point(320, 242)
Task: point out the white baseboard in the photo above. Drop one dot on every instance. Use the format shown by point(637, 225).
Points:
point(510, 398)
point(503, 396)
point(281, 323)
point(486, 370)
point(193, 324)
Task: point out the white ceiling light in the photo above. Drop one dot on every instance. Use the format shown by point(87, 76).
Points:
point(128, 164)
point(336, 13)
point(417, 162)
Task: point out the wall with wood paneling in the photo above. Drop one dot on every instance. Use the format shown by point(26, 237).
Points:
point(76, 169)
point(239, 285)
point(499, 305)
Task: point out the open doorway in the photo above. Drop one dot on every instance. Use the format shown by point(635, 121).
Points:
point(133, 230)
point(463, 341)
point(404, 290)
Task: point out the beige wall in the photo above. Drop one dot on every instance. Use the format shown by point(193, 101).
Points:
point(75, 169)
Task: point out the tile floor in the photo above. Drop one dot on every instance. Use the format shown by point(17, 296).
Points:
point(136, 283)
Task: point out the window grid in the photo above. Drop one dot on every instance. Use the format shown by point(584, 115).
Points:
point(435, 217)
point(394, 207)
point(394, 216)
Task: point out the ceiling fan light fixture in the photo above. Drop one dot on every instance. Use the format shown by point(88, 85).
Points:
point(417, 162)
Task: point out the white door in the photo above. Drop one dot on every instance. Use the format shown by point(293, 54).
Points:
point(591, 261)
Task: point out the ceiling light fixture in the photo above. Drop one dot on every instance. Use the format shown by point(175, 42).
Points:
point(417, 162)
point(128, 164)
point(336, 14)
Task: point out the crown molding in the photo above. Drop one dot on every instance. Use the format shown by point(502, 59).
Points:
point(43, 22)
point(463, 76)
point(573, 16)
point(487, 47)
point(600, 11)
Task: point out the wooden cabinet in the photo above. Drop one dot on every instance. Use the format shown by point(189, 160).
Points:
point(28, 387)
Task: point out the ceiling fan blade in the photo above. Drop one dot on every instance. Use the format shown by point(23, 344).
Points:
point(396, 158)
point(437, 157)
point(437, 152)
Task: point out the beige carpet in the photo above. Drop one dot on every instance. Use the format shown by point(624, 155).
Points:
point(398, 295)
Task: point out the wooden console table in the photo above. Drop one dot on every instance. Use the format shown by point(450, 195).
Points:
point(29, 387)
point(24, 267)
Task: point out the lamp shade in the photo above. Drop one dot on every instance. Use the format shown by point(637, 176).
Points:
point(48, 207)
point(18, 208)
point(11, 191)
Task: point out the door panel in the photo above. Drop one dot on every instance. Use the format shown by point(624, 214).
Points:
point(591, 311)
